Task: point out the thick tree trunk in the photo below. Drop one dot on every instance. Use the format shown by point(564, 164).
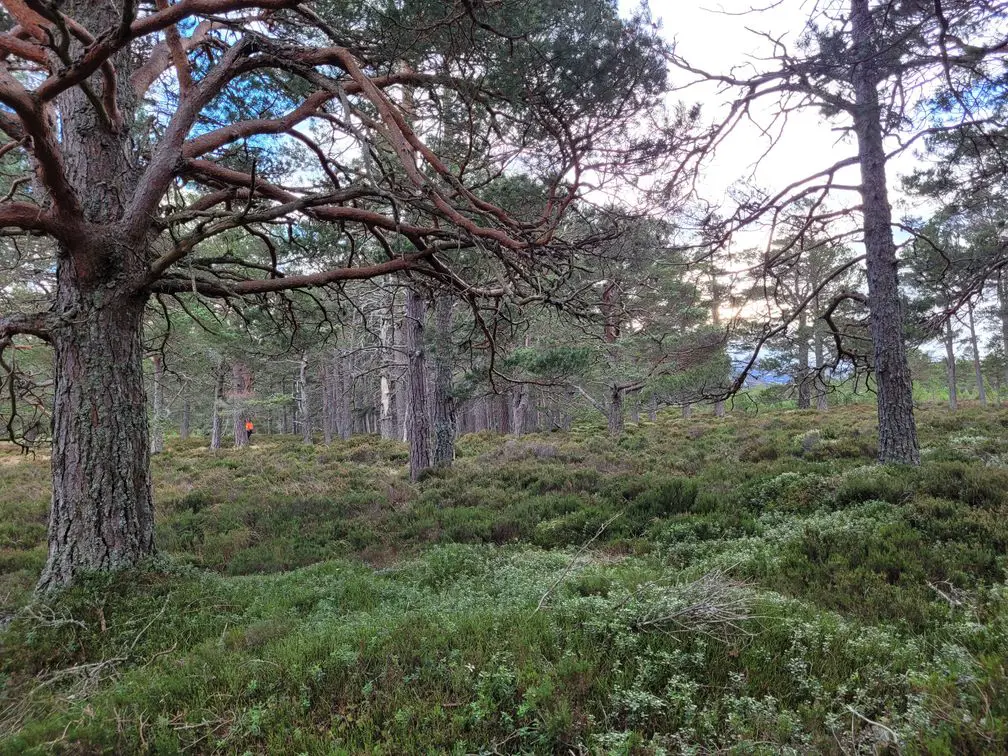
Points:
point(977, 365)
point(417, 417)
point(443, 396)
point(897, 428)
point(102, 515)
point(687, 411)
point(950, 366)
point(157, 409)
point(519, 409)
point(653, 409)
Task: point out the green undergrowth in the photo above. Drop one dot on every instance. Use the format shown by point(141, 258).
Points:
point(751, 584)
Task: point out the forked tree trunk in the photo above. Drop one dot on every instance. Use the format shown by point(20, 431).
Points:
point(897, 428)
point(102, 515)
point(417, 417)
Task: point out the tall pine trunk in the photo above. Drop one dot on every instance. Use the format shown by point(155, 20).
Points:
point(977, 366)
point(303, 402)
point(822, 402)
point(417, 417)
point(157, 407)
point(614, 411)
point(443, 396)
point(184, 424)
point(1002, 290)
point(950, 366)
point(804, 377)
point(897, 428)
point(215, 420)
point(102, 514)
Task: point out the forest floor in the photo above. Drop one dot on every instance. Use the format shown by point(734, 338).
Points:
point(753, 585)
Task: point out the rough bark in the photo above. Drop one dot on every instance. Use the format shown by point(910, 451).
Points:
point(417, 417)
point(977, 365)
point(102, 515)
point(897, 427)
point(950, 366)
point(442, 398)
point(687, 411)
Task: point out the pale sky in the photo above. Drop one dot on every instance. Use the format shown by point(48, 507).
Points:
point(713, 35)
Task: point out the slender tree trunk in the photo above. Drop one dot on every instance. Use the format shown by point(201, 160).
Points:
point(184, 425)
point(327, 379)
point(614, 414)
point(950, 366)
point(653, 408)
point(443, 397)
point(687, 411)
point(977, 365)
point(158, 411)
point(1002, 290)
point(102, 514)
point(215, 420)
point(386, 387)
point(417, 417)
point(241, 392)
point(303, 400)
point(897, 428)
point(822, 401)
point(804, 384)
